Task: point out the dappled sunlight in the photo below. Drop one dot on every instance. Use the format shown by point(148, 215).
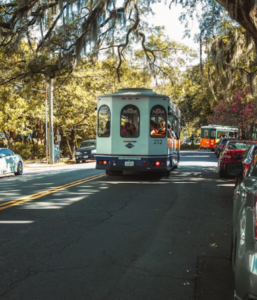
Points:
point(52, 203)
point(198, 163)
point(16, 222)
point(65, 197)
point(182, 182)
point(136, 182)
point(197, 156)
point(53, 196)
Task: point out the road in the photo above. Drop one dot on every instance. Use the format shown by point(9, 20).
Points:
point(77, 234)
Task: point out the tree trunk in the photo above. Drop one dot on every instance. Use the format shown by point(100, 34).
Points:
point(250, 135)
point(9, 140)
point(71, 144)
point(244, 12)
point(68, 143)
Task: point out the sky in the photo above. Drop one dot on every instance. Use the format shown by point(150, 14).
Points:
point(170, 19)
point(174, 29)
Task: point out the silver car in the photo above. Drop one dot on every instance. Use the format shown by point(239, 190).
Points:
point(244, 250)
point(10, 162)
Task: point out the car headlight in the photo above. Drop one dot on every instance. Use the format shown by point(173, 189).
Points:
point(93, 151)
point(78, 153)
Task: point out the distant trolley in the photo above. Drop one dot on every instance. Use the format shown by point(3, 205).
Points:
point(211, 134)
point(137, 130)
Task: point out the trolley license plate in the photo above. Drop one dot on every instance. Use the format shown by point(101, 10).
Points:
point(129, 164)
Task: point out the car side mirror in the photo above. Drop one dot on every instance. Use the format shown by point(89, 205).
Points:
point(234, 169)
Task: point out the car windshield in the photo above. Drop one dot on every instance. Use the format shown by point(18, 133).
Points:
point(87, 144)
point(238, 145)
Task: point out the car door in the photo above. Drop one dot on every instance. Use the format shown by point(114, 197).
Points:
point(248, 157)
point(3, 164)
point(243, 190)
point(10, 161)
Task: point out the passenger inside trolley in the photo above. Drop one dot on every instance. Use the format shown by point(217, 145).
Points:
point(162, 129)
point(153, 127)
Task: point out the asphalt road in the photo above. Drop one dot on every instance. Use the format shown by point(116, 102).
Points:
point(78, 234)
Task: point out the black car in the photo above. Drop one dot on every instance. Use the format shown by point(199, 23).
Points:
point(86, 150)
point(221, 144)
point(217, 146)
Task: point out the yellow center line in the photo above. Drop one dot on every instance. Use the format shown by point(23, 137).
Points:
point(47, 192)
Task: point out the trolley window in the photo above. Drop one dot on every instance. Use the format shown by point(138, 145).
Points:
point(104, 121)
point(213, 133)
point(206, 134)
point(221, 134)
point(129, 121)
point(158, 120)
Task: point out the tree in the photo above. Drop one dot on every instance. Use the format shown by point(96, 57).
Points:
point(240, 112)
point(70, 28)
point(75, 93)
point(231, 62)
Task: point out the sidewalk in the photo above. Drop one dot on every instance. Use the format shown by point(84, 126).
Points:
point(42, 165)
point(35, 164)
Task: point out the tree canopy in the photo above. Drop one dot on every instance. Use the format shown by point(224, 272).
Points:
point(70, 28)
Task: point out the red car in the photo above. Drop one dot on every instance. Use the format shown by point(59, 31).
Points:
point(249, 158)
point(232, 152)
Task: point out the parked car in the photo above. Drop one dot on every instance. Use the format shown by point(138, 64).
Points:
point(233, 151)
point(247, 159)
point(197, 141)
point(10, 162)
point(217, 146)
point(222, 142)
point(86, 150)
point(244, 244)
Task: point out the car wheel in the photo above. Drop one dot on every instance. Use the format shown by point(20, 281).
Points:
point(19, 169)
point(222, 173)
point(114, 173)
point(166, 173)
point(233, 258)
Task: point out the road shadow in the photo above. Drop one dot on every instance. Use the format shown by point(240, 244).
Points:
point(214, 279)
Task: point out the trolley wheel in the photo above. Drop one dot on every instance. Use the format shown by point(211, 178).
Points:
point(114, 173)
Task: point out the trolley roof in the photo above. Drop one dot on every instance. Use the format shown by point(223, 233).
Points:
point(129, 92)
point(220, 127)
point(134, 92)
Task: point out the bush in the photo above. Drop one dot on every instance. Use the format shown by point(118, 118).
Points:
point(38, 151)
point(189, 147)
point(29, 151)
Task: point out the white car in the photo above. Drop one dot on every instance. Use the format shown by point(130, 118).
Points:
point(10, 162)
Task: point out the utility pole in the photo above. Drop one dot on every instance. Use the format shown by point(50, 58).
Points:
point(46, 123)
point(51, 126)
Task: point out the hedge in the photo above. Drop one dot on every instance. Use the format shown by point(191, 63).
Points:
point(189, 147)
point(29, 151)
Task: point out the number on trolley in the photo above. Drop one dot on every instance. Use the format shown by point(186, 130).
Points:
point(158, 142)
